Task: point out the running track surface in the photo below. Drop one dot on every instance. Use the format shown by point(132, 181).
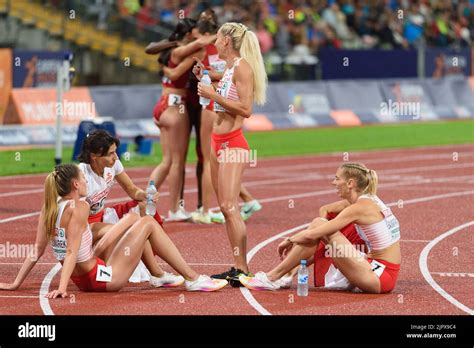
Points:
point(430, 189)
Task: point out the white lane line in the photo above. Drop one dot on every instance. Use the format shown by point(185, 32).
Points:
point(423, 263)
point(19, 193)
point(203, 264)
point(17, 296)
point(454, 274)
point(297, 167)
point(19, 217)
point(319, 155)
point(255, 304)
point(335, 164)
point(44, 302)
point(193, 190)
point(21, 263)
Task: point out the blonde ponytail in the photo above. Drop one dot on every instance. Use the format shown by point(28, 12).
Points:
point(57, 184)
point(373, 182)
point(50, 207)
point(245, 41)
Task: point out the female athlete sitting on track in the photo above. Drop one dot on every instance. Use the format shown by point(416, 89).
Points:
point(63, 223)
point(374, 222)
point(101, 167)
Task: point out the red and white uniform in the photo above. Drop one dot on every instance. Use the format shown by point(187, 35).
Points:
point(226, 87)
point(88, 281)
point(59, 242)
point(98, 187)
point(382, 234)
point(212, 60)
point(377, 236)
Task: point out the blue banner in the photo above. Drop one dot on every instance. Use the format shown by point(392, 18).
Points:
point(367, 64)
point(36, 68)
point(441, 62)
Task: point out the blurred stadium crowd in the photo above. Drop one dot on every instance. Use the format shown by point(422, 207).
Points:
point(284, 26)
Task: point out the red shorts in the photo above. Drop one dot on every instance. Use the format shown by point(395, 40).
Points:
point(233, 139)
point(387, 273)
point(121, 209)
point(322, 262)
point(87, 282)
point(161, 105)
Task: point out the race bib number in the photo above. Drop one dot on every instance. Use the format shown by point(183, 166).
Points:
point(104, 274)
point(174, 99)
point(377, 268)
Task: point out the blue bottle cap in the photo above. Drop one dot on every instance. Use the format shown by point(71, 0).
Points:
point(303, 262)
point(205, 72)
point(152, 183)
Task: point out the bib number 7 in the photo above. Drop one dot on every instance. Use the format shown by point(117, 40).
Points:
point(104, 274)
point(377, 268)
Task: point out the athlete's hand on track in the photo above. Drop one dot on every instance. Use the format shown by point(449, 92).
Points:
point(284, 248)
point(56, 293)
point(8, 286)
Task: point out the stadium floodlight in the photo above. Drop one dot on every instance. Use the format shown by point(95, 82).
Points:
point(65, 75)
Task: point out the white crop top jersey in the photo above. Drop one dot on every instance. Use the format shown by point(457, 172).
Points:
point(59, 242)
point(226, 87)
point(382, 234)
point(98, 187)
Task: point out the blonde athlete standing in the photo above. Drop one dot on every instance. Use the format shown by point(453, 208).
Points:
point(243, 83)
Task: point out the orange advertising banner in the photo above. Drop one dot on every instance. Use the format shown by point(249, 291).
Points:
point(35, 106)
point(5, 79)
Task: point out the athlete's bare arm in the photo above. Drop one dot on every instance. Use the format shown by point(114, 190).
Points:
point(335, 207)
point(133, 191)
point(181, 52)
point(40, 245)
point(158, 47)
point(75, 227)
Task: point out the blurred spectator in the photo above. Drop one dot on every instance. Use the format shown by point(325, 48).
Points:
point(148, 15)
point(281, 25)
point(264, 38)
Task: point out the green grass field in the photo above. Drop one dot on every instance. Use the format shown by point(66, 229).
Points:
point(282, 143)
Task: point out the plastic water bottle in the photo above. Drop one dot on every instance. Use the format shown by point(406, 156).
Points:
point(303, 277)
point(206, 81)
point(150, 205)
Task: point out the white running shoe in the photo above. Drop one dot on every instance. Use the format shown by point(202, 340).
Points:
point(285, 282)
point(217, 217)
point(180, 215)
point(205, 283)
point(167, 280)
point(259, 282)
point(201, 218)
point(249, 208)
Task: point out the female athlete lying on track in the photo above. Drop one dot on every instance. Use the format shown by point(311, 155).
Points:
point(101, 168)
point(63, 224)
point(374, 222)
